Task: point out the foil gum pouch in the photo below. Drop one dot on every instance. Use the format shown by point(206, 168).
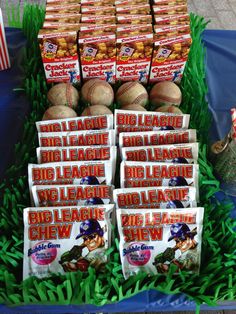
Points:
point(148, 121)
point(74, 153)
point(155, 197)
point(72, 195)
point(151, 240)
point(65, 239)
point(75, 138)
point(130, 139)
point(76, 124)
point(144, 174)
point(177, 153)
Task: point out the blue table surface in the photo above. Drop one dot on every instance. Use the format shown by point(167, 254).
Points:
point(220, 75)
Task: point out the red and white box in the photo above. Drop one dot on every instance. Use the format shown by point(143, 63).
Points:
point(135, 19)
point(175, 19)
point(63, 8)
point(98, 54)
point(62, 18)
point(98, 19)
point(169, 9)
point(171, 48)
point(59, 55)
point(98, 10)
point(133, 9)
point(134, 53)
point(4, 55)
point(169, 2)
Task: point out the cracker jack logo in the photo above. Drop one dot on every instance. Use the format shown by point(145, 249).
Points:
point(49, 48)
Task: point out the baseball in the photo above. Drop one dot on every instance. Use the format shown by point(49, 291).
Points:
point(59, 112)
point(96, 110)
point(63, 94)
point(132, 93)
point(133, 107)
point(165, 93)
point(169, 109)
point(97, 92)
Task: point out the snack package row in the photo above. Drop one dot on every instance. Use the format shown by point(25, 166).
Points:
point(158, 220)
point(130, 50)
point(71, 187)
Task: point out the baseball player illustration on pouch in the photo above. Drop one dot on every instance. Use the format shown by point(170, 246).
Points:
point(184, 242)
point(93, 242)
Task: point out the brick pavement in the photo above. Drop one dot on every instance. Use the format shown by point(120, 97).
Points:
point(220, 13)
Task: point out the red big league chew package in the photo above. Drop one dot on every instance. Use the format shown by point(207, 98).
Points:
point(126, 121)
point(75, 138)
point(171, 48)
point(134, 53)
point(76, 124)
point(178, 153)
point(142, 174)
point(72, 195)
point(68, 172)
point(155, 197)
point(59, 55)
point(151, 240)
point(74, 153)
point(129, 139)
point(67, 239)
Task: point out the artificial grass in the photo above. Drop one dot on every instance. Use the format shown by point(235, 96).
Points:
point(217, 279)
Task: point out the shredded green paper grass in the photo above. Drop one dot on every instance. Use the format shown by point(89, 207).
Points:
point(217, 280)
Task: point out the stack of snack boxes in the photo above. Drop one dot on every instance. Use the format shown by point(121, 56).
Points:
point(58, 41)
point(172, 40)
point(159, 191)
point(118, 40)
point(72, 184)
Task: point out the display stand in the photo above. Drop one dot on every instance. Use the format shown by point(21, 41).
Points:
point(220, 71)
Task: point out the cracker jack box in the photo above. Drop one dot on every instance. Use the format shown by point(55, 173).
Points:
point(58, 2)
point(169, 9)
point(134, 19)
point(134, 53)
point(98, 10)
point(171, 49)
point(175, 19)
point(130, 2)
point(177, 153)
point(75, 138)
point(4, 55)
point(134, 121)
point(155, 197)
point(98, 19)
point(98, 55)
point(76, 124)
point(144, 174)
point(77, 172)
point(59, 55)
point(153, 239)
point(143, 8)
point(61, 26)
point(97, 29)
point(130, 139)
point(62, 18)
point(74, 153)
point(66, 239)
point(63, 8)
point(71, 195)
point(170, 2)
point(97, 2)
